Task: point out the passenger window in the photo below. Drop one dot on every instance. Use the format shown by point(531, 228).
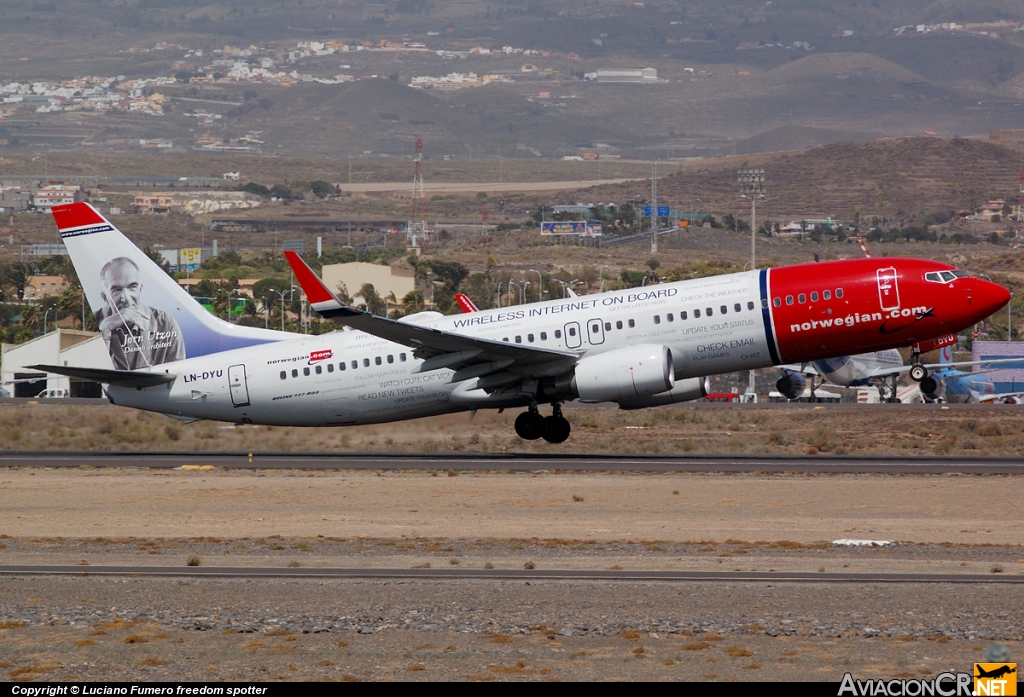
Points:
point(709, 311)
point(377, 360)
point(529, 337)
point(669, 317)
point(543, 336)
point(618, 324)
point(814, 296)
point(696, 314)
point(330, 367)
point(724, 309)
point(607, 326)
point(632, 324)
point(789, 299)
point(504, 338)
point(305, 371)
point(366, 362)
point(319, 370)
point(777, 302)
point(826, 295)
point(595, 329)
point(284, 374)
point(682, 315)
point(295, 373)
point(801, 298)
point(558, 333)
point(737, 307)
point(519, 339)
point(839, 292)
point(391, 358)
point(355, 364)
point(401, 357)
point(342, 366)
point(572, 331)
point(750, 304)
point(657, 319)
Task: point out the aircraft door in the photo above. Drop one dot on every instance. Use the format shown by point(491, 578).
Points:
point(595, 332)
point(237, 384)
point(888, 290)
point(573, 337)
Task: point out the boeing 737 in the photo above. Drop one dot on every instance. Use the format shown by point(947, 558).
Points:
point(638, 347)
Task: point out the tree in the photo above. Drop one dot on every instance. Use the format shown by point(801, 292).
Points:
point(280, 191)
point(254, 188)
point(372, 301)
point(321, 189)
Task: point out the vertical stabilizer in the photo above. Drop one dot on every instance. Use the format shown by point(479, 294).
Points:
point(145, 317)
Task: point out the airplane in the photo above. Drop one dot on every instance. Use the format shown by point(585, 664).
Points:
point(882, 369)
point(637, 347)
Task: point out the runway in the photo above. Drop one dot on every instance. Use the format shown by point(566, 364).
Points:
point(518, 462)
point(504, 574)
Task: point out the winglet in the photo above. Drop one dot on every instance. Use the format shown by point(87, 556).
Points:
point(465, 304)
point(319, 295)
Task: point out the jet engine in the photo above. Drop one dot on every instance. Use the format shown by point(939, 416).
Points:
point(933, 387)
point(684, 391)
point(791, 385)
point(625, 373)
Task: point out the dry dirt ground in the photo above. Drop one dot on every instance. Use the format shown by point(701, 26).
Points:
point(90, 627)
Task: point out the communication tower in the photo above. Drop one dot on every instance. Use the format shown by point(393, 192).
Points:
point(1020, 211)
point(417, 227)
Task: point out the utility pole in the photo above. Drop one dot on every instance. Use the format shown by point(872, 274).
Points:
point(653, 208)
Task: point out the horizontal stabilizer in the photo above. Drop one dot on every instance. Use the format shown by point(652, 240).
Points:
point(120, 378)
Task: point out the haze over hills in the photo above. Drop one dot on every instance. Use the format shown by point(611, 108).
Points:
point(744, 77)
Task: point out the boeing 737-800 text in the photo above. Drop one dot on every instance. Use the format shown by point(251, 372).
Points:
point(640, 347)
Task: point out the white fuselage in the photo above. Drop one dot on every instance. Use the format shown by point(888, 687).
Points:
point(301, 382)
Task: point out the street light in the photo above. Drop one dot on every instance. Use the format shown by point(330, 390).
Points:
point(540, 284)
point(266, 320)
point(751, 183)
point(600, 277)
point(522, 292)
point(499, 293)
point(290, 293)
point(510, 284)
point(45, 314)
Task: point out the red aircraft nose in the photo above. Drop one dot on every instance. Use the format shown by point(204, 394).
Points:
point(987, 297)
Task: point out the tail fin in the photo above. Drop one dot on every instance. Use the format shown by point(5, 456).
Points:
point(145, 317)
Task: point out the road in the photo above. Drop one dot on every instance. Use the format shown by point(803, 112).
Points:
point(518, 462)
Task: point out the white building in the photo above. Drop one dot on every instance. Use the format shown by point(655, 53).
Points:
point(60, 347)
point(55, 195)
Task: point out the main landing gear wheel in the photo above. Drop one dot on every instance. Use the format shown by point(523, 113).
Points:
point(530, 425)
point(918, 373)
point(556, 429)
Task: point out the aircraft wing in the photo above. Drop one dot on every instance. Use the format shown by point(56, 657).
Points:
point(996, 361)
point(803, 368)
point(439, 349)
point(121, 378)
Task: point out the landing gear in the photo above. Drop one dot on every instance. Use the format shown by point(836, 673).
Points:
point(556, 426)
point(918, 373)
point(891, 397)
point(530, 425)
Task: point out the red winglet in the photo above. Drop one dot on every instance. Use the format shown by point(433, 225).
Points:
point(465, 304)
point(71, 215)
point(313, 287)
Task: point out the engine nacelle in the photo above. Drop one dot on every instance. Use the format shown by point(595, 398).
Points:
point(933, 387)
point(685, 391)
point(791, 385)
point(625, 373)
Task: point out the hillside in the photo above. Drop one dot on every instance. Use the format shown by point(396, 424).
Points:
point(901, 179)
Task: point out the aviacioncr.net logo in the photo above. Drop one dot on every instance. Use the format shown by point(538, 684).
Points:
point(943, 685)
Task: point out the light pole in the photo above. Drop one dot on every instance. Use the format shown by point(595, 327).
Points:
point(751, 183)
point(563, 284)
point(282, 293)
point(266, 320)
point(522, 292)
point(600, 277)
point(46, 314)
point(540, 284)
point(510, 284)
point(499, 293)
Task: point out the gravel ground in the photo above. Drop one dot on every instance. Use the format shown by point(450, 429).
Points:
point(166, 629)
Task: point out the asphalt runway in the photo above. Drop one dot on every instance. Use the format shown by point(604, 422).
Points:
point(504, 574)
point(518, 462)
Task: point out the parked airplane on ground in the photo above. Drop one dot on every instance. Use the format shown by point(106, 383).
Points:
point(639, 347)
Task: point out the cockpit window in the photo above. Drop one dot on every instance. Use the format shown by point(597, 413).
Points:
point(948, 276)
point(944, 276)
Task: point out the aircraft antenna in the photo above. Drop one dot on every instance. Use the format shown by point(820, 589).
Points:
point(417, 226)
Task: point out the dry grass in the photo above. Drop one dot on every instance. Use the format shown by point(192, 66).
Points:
point(854, 429)
point(737, 651)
